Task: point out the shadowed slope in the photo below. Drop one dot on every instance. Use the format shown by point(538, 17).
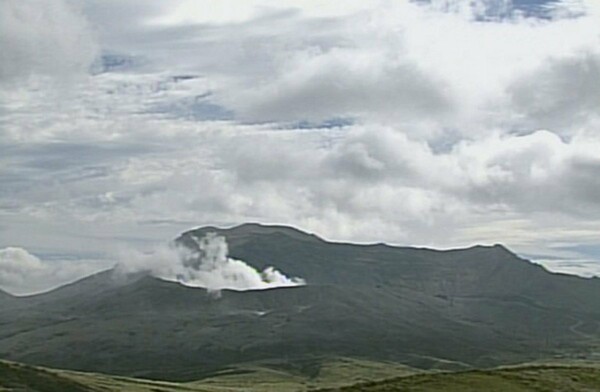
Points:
point(16, 377)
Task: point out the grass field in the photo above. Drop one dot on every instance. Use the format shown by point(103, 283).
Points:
point(260, 377)
point(18, 377)
point(342, 374)
point(539, 378)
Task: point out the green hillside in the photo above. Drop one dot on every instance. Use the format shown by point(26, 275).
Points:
point(538, 378)
point(16, 377)
point(259, 377)
point(342, 375)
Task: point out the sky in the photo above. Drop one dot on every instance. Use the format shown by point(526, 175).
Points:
point(441, 123)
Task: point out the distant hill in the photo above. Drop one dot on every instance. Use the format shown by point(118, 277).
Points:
point(458, 309)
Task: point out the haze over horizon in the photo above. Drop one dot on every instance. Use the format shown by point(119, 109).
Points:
point(442, 123)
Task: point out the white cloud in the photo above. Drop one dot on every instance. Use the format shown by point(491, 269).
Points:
point(41, 37)
point(16, 264)
point(362, 183)
point(562, 93)
point(24, 273)
point(229, 11)
point(402, 63)
point(344, 83)
point(464, 131)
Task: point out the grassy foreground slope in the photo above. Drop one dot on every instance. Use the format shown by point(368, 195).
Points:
point(306, 375)
point(538, 378)
point(17, 377)
point(260, 377)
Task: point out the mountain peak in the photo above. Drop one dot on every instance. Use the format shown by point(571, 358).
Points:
point(495, 247)
point(247, 231)
point(259, 228)
point(501, 248)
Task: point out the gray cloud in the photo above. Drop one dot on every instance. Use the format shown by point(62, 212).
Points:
point(345, 83)
point(446, 146)
point(24, 273)
point(562, 93)
point(48, 38)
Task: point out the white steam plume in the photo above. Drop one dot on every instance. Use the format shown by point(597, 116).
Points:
point(209, 268)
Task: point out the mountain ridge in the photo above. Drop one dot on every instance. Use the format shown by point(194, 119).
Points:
point(473, 307)
point(254, 228)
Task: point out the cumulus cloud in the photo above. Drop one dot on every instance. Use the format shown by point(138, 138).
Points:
point(429, 67)
point(437, 64)
point(208, 267)
point(16, 264)
point(41, 37)
point(318, 85)
point(463, 122)
point(562, 93)
point(365, 183)
point(24, 273)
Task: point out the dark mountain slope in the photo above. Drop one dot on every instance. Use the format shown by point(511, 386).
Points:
point(5, 297)
point(15, 377)
point(165, 330)
point(6, 300)
point(477, 271)
point(480, 306)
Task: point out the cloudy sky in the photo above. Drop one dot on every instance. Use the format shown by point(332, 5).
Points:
point(439, 123)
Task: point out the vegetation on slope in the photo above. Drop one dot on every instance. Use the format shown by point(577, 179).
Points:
point(302, 376)
point(538, 378)
point(259, 377)
point(16, 377)
point(336, 375)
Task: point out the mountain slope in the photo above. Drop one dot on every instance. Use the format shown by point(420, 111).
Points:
point(15, 377)
point(18, 377)
point(529, 378)
point(480, 270)
point(480, 306)
point(7, 300)
point(259, 377)
point(342, 375)
point(6, 297)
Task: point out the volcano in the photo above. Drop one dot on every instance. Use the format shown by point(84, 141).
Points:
point(456, 309)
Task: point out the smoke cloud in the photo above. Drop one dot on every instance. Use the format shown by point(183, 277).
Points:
point(209, 267)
